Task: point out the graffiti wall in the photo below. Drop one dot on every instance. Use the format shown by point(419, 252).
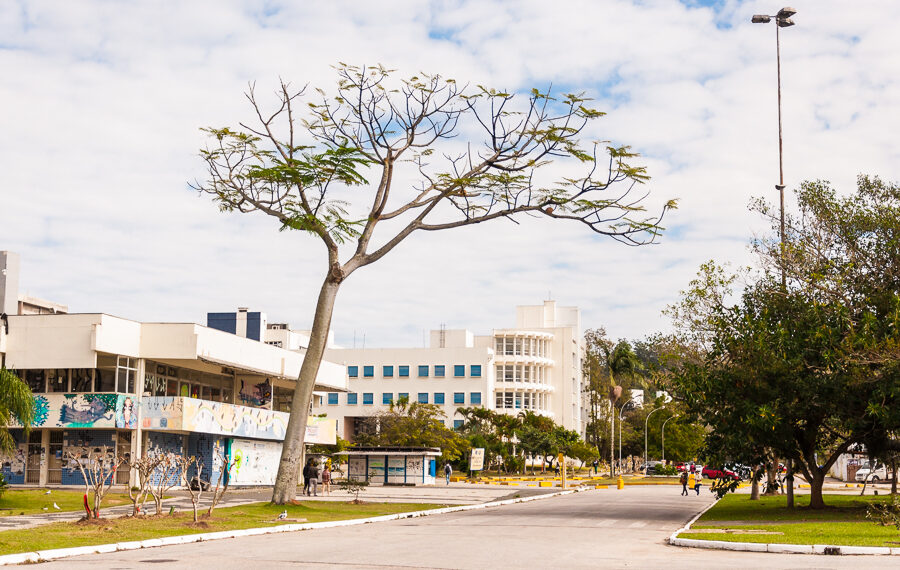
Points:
point(255, 462)
point(84, 411)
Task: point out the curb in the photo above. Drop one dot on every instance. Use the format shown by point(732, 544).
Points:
point(774, 548)
point(47, 555)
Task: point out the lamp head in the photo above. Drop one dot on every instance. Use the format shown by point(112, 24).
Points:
point(786, 12)
point(760, 19)
point(784, 22)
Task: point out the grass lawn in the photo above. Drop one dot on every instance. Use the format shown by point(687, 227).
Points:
point(64, 535)
point(842, 522)
point(34, 501)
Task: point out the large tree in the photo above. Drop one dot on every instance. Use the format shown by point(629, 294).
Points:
point(308, 164)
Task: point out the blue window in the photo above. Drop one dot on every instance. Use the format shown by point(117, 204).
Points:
point(404, 371)
point(351, 399)
point(423, 371)
point(457, 424)
point(475, 371)
point(439, 370)
point(332, 398)
point(423, 397)
point(403, 396)
point(387, 371)
point(459, 397)
point(353, 371)
point(459, 370)
point(475, 398)
point(387, 398)
point(368, 371)
point(368, 398)
point(438, 397)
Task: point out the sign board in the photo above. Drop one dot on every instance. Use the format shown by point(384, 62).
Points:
point(476, 460)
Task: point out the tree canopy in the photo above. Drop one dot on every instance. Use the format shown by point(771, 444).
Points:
point(16, 406)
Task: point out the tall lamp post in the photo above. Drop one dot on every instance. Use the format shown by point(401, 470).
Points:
point(646, 420)
point(622, 411)
point(782, 20)
point(664, 436)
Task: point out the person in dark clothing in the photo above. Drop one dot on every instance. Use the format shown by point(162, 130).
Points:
point(684, 482)
point(310, 479)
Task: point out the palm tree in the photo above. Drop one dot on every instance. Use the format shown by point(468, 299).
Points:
point(16, 404)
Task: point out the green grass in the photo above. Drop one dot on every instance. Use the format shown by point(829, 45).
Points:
point(104, 531)
point(842, 522)
point(34, 501)
point(739, 507)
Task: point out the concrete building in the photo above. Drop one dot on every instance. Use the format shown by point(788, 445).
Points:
point(534, 366)
point(131, 387)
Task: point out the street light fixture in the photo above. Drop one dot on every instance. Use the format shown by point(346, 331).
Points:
point(622, 411)
point(664, 436)
point(646, 420)
point(782, 20)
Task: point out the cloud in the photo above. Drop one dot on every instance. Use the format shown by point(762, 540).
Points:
point(103, 103)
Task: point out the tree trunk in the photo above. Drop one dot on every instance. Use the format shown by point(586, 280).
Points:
point(771, 478)
point(754, 484)
point(789, 482)
point(893, 476)
point(292, 450)
point(816, 501)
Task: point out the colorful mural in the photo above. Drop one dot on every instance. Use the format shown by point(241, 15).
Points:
point(75, 410)
point(256, 394)
point(126, 412)
point(255, 462)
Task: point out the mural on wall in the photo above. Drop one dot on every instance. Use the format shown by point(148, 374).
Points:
point(255, 462)
point(126, 412)
point(162, 412)
point(41, 410)
point(256, 394)
point(218, 417)
point(87, 410)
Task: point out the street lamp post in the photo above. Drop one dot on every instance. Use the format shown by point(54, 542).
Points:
point(664, 436)
point(646, 420)
point(782, 20)
point(621, 411)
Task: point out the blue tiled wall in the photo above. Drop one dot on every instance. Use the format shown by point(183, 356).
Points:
point(14, 479)
point(89, 438)
point(165, 443)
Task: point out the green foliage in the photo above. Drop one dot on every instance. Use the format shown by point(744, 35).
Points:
point(4, 486)
point(352, 487)
point(411, 424)
point(667, 470)
point(885, 514)
point(16, 406)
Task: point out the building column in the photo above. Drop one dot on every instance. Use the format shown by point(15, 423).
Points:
point(45, 463)
point(138, 435)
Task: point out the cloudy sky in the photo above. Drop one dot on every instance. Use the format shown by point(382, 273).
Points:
point(102, 104)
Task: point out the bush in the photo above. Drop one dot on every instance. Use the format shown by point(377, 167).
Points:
point(3, 484)
point(885, 514)
point(665, 470)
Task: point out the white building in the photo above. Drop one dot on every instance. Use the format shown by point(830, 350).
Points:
point(534, 366)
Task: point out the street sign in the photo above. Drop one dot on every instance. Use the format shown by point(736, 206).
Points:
point(476, 460)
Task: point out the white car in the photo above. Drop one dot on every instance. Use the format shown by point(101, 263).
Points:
point(866, 473)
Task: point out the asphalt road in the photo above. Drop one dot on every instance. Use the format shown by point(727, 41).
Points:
point(594, 529)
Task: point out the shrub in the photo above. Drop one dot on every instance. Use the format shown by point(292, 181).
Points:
point(886, 513)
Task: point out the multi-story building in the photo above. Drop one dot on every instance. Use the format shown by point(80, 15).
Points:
point(534, 366)
point(100, 381)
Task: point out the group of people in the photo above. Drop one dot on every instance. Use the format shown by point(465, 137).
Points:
point(690, 480)
point(311, 479)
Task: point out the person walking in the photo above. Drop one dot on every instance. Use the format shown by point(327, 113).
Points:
point(310, 479)
point(684, 482)
point(326, 479)
point(692, 480)
point(698, 482)
point(447, 471)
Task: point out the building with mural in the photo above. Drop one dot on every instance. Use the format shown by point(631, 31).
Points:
point(136, 388)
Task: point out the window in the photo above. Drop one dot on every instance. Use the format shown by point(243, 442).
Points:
point(351, 399)
point(439, 370)
point(368, 371)
point(403, 396)
point(459, 397)
point(475, 398)
point(423, 397)
point(457, 424)
point(438, 397)
point(475, 371)
point(368, 398)
point(353, 371)
point(332, 398)
point(423, 371)
point(459, 370)
point(387, 398)
point(126, 372)
point(404, 371)
point(387, 371)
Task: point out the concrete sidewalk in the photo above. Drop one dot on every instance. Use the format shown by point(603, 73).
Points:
point(453, 494)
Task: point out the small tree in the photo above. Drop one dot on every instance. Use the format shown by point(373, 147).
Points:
point(166, 475)
point(188, 466)
point(222, 482)
point(299, 165)
point(145, 467)
point(353, 487)
point(98, 470)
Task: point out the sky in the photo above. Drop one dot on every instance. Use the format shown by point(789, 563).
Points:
point(103, 101)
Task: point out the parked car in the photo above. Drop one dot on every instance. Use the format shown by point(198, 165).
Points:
point(879, 474)
point(651, 466)
point(713, 473)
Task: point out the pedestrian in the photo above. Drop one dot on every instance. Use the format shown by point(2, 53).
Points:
point(684, 482)
point(447, 471)
point(692, 480)
point(310, 477)
point(698, 482)
point(596, 464)
point(326, 479)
